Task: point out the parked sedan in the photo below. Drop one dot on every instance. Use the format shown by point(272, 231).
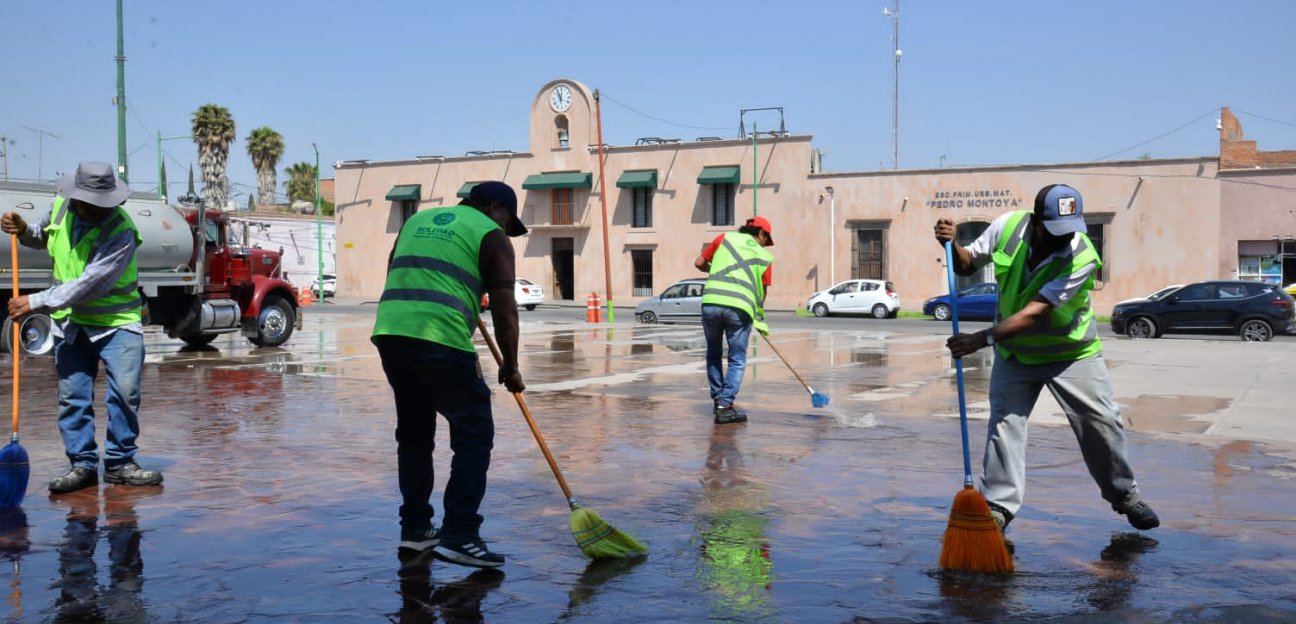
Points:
point(859, 296)
point(975, 301)
point(330, 286)
point(1253, 310)
point(681, 302)
point(527, 293)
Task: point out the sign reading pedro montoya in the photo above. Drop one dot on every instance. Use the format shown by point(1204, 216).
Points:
point(980, 198)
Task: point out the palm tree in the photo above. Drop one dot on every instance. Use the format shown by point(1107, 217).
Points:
point(265, 146)
point(301, 182)
point(213, 131)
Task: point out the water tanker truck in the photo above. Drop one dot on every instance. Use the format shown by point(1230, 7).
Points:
point(194, 282)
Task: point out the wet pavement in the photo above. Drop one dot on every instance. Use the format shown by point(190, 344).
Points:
point(280, 497)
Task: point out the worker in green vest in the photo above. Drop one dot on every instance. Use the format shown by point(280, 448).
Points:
point(733, 302)
point(96, 307)
point(443, 261)
point(1044, 335)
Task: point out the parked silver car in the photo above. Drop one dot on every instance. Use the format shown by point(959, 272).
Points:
point(681, 302)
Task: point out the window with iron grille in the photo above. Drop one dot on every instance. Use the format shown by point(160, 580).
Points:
point(643, 199)
point(563, 206)
point(1097, 233)
point(722, 204)
point(407, 209)
point(642, 262)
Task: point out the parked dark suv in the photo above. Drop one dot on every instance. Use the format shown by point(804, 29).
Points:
point(1252, 310)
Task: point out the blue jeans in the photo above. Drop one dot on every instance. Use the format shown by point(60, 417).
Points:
point(77, 363)
point(430, 379)
point(725, 323)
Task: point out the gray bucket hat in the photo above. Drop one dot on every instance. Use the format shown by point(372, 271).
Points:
point(96, 184)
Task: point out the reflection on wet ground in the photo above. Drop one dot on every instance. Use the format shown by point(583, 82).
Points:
point(280, 499)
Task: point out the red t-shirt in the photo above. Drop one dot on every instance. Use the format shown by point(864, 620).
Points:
point(710, 250)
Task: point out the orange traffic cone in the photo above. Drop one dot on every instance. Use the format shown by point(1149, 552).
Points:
point(305, 297)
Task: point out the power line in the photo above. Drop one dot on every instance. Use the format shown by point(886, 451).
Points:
point(1277, 121)
point(665, 121)
point(1163, 135)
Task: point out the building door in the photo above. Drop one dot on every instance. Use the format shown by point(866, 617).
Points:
point(964, 234)
point(870, 254)
point(564, 268)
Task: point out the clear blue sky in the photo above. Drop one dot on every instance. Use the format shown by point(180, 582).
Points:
point(981, 82)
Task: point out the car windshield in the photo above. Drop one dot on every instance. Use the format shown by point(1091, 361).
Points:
point(1161, 293)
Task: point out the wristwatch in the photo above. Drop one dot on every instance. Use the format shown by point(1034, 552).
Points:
point(989, 337)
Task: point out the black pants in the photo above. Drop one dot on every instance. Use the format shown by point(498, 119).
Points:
point(430, 379)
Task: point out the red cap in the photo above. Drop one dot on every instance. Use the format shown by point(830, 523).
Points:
point(764, 224)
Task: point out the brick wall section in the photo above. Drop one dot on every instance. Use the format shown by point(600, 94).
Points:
point(1236, 153)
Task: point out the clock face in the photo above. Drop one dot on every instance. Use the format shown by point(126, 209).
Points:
point(560, 98)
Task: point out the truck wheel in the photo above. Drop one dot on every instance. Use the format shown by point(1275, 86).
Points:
point(275, 324)
point(198, 340)
point(37, 335)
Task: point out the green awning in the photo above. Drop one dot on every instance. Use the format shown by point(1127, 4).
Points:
point(466, 189)
point(570, 179)
point(638, 179)
point(405, 192)
point(719, 175)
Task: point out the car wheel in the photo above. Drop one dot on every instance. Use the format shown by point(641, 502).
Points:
point(880, 311)
point(530, 307)
point(942, 312)
point(1256, 331)
point(1141, 327)
point(820, 310)
point(648, 318)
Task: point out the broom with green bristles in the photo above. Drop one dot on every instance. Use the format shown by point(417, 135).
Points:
point(972, 539)
point(15, 470)
point(596, 538)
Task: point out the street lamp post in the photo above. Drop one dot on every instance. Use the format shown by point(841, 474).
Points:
point(832, 238)
point(319, 230)
point(162, 187)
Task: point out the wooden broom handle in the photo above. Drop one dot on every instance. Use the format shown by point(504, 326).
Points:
point(544, 448)
point(16, 344)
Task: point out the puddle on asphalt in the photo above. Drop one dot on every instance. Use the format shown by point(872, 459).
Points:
point(1170, 414)
point(280, 499)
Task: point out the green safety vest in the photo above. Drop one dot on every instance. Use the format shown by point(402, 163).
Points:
point(735, 281)
point(1068, 333)
point(434, 286)
point(120, 306)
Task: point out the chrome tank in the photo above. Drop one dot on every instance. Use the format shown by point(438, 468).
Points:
point(168, 242)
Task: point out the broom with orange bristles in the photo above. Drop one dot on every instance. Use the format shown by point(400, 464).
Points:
point(972, 540)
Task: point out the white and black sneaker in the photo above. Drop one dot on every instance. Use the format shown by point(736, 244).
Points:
point(419, 541)
point(472, 553)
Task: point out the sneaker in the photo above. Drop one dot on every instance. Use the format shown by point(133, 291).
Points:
point(130, 473)
point(1140, 515)
point(727, 414)
point(77, 478)
point(419, 541)
point(472, 553)
point(1001, 517)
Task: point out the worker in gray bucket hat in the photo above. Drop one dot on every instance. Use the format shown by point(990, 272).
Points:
point(97, 312)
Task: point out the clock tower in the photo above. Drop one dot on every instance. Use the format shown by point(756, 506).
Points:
point(562, 121)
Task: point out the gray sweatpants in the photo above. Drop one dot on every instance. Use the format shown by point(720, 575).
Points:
point(1084, 391)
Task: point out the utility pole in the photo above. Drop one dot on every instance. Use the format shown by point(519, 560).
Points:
point(40, 148)
point(895, 84)
point(4, 155)
point(319, 228)
point(121, 99)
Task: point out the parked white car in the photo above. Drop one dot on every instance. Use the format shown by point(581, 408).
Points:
point(330, 286)
point(527, 293)
point(858, 296)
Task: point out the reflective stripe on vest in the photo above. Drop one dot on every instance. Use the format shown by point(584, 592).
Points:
point(121, 305)
point(736, 277)
point(434, 286)
point(1068, 332)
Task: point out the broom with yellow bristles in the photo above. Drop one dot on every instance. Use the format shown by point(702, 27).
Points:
point(972, 539)
point(596, 538)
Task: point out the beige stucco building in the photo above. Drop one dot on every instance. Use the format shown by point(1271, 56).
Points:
point(1156, 222)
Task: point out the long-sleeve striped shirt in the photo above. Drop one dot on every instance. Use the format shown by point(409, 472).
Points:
point(103, 269)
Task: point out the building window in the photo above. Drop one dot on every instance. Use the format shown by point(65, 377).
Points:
point(643, 198)
point(563, 206)
point(1260, 261)
point(560, 124)
point(407, 210)
point(1097, 236)
point(722, 204)
point(870, 254)
point(642, 262)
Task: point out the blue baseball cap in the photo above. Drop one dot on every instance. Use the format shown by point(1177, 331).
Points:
point(1061, 210)
point(486, 192)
